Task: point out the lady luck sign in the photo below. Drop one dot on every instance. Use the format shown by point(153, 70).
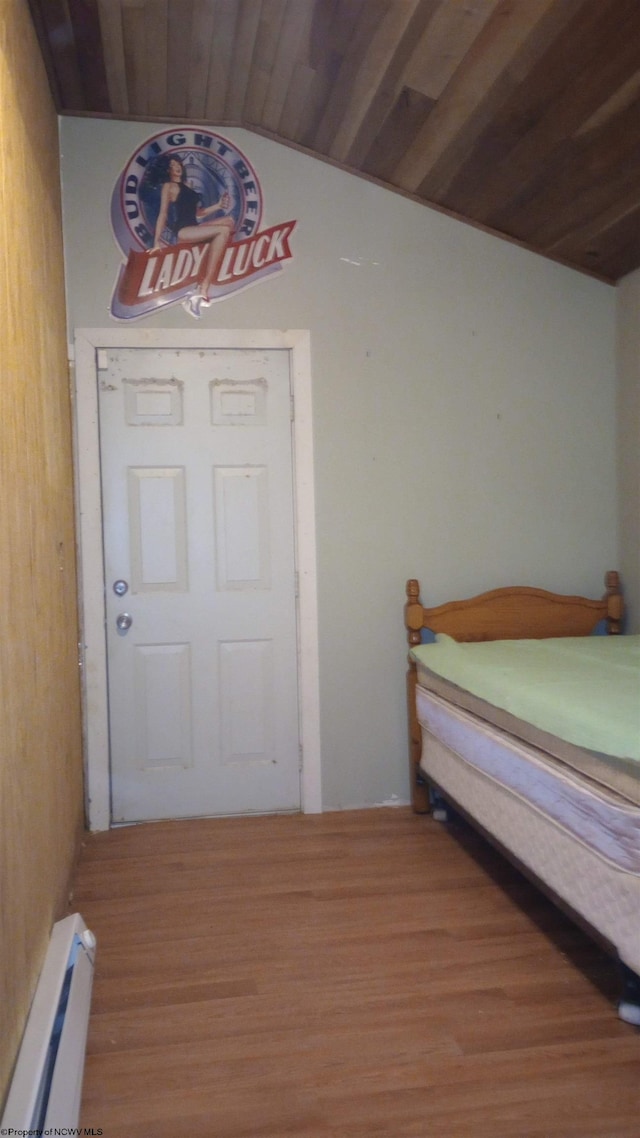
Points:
point(186, 213)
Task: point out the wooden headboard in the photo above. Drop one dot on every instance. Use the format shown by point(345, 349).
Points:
point(515, 613)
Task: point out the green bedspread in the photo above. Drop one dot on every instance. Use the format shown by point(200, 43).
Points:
point(584, 689)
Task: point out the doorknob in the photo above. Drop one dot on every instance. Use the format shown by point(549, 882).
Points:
point(124, 622)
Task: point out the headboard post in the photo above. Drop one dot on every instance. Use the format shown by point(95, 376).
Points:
point(413, 617)
point(615, 604)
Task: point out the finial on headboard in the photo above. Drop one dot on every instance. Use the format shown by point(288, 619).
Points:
point(615, 603)
point(413, 615)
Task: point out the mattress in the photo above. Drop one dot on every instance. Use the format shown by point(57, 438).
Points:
point(531, 690)
point(603, 820)
point(582, 840)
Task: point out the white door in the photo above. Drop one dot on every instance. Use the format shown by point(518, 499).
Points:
point(197, 485)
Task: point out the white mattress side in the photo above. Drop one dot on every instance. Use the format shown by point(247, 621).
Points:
point(606, 824)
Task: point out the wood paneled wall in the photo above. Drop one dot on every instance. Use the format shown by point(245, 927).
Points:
point(41, 808)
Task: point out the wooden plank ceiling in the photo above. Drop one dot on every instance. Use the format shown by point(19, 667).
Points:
point(522, 116)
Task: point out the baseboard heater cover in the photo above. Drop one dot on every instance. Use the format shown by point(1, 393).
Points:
point(47, 1082)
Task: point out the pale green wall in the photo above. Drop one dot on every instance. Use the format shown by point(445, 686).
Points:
point(629, 443)
point(464, 413)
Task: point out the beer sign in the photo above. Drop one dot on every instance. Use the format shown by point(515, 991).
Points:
point(186, 212)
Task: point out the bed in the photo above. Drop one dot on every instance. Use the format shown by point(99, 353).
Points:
point(524, 717)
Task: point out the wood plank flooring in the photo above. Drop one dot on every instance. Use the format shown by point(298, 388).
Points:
point(368, 973)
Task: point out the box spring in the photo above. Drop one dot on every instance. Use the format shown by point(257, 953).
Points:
point(580, 840)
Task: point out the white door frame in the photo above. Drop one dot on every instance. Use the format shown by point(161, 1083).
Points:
point(93, 649)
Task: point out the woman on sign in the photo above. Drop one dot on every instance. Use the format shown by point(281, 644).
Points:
point(181, 213)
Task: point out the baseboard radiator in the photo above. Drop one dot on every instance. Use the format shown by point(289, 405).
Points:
point(47, 1082)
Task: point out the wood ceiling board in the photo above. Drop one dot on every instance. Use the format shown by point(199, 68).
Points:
point(569, 83)
point(406, 119)
point(581, 242)
point(54, 21)
point(247, 24)
point(487, 109)
point(468, 95)
point(271, 24)
point(156, 41)
point(48, 57)
point(293, 46)
point(390, 87)
point(112, 39)
point(202, 31)
point(444, 43)
point(499, 62)
point(585, 178)
point(325, 61)
point(89, 53)
point(136, 59)
point(619, 101)
point(354, 53)
point(616, 252)
point(178, 57)
point(300, 87)
point(224, 28)
point(369, 74)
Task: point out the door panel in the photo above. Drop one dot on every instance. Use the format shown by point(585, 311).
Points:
point(157, 529)
point(197, 489)
point(247, 731)
point(242, 527)
point(162, 705)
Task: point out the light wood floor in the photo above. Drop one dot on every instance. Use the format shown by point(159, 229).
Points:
point(348, 975)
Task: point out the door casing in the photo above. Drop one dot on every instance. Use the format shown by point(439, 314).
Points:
point(92, 648)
